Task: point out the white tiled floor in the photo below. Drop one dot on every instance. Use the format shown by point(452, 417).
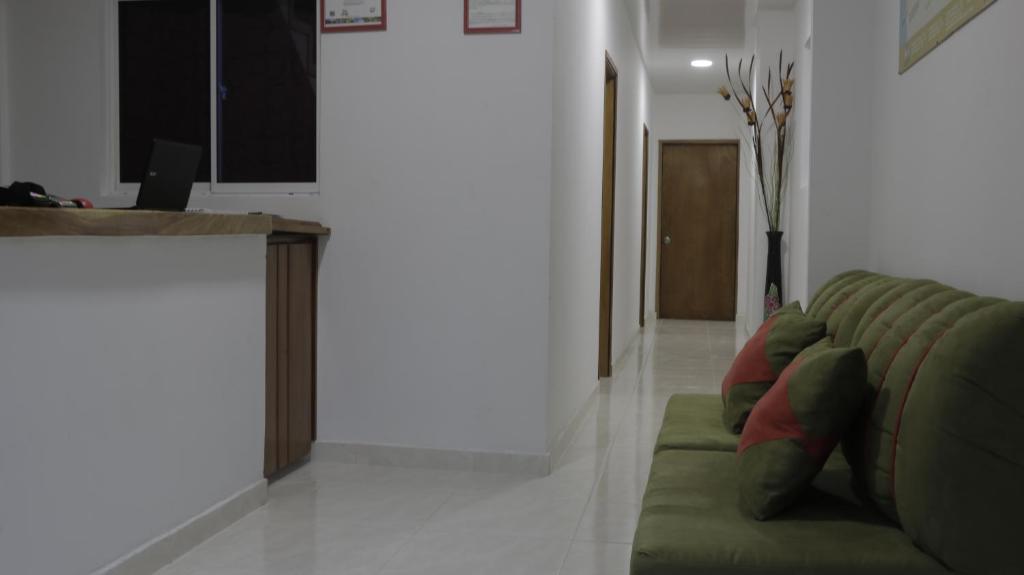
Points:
point(333, 519)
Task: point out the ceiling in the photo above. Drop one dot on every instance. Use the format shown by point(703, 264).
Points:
point(672, 33)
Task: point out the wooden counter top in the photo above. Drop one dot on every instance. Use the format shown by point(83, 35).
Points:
point(29, 222)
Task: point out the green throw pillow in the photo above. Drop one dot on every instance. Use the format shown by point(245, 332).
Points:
point(797, 424)
point(779, 339)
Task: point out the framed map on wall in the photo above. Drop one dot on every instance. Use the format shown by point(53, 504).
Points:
point(924, 24)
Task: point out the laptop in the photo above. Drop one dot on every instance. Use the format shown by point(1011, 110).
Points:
point(167, 184)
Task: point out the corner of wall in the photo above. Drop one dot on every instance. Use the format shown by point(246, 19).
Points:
point(584, 31)
point(5, 140)
point(840, 160)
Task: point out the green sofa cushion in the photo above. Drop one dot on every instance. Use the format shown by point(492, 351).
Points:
point(695, 422)
point(959, 461)
point(843, 324)
point(691, 523)
point(796, 425)
point(826, 291)
point(762, 359)
point(853, 305)
point(882, 304)
point(940, 446)
point(834, 295)
point(882, 337)
point(910, 331)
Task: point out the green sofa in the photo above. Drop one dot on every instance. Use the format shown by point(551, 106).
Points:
point(935, 482)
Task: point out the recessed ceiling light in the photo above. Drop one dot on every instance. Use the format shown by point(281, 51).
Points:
point(701, 63)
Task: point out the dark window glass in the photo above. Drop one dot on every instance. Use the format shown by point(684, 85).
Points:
point(164, 60)
point(267, 91)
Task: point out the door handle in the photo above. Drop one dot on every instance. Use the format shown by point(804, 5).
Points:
point(667, 240)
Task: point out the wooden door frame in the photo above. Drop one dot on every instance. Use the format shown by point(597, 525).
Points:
point(661, 187)
point(606, 291)
point(644, 189)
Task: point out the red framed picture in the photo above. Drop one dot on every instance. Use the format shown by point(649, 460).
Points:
point(353, 15)
point(492, 16)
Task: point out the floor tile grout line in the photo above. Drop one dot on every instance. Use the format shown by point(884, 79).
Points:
point(645, 357)
point(412, 536)
point(618, 465)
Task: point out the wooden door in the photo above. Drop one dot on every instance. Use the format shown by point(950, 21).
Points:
point(611, 93)
point(698, 230)
point(643, 228)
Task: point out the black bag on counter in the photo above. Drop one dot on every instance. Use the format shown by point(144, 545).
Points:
point(28, 194)
point(24, 194)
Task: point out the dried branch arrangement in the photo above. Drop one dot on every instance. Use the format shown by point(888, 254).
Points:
point(765, 119)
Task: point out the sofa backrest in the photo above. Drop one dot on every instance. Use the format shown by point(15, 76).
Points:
point(940, 448)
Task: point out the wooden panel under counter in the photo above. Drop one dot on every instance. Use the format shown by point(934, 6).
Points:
point(291, 350)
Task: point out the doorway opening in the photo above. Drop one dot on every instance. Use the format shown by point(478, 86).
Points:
point(611, 94)
point(698, 230)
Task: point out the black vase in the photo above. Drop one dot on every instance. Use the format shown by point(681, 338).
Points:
point(773, 275)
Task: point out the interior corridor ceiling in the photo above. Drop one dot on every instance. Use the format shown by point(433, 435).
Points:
point(672, 33)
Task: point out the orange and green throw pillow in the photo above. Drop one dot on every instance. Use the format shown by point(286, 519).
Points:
point(779, 339)
point(796, 425)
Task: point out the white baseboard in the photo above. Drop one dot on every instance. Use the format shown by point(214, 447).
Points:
point(517, 463)
point(163, 550)
point(396, 456)
point(558, 447)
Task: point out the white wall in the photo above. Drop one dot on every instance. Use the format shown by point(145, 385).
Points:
point(800, 169)
point(434, 291)
point(57, 110)
point(701, 117)
point(117, 423)
point(916, 174)
point(436, 154)
point(946, 143)
point(584, 30)
point(840, 156)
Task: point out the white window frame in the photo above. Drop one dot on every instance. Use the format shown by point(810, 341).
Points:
point(200, 189)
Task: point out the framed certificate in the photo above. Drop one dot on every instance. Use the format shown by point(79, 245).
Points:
point(353, 15)
point(493, 16)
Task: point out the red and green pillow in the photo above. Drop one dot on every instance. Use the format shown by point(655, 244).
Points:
point(758, 365)
point(796, 425)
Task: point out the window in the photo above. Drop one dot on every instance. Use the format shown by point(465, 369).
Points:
point(164, 80)
point(238, 77)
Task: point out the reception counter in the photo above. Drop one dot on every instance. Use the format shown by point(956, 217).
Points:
point(133, 389)
point(34, 222)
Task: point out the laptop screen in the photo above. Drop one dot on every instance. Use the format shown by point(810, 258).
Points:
point(167, 184)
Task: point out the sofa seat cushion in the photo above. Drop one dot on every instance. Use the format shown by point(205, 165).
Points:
point(691, 523)
point(694, 421)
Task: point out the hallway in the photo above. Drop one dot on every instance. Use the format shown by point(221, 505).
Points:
point(332, 518)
